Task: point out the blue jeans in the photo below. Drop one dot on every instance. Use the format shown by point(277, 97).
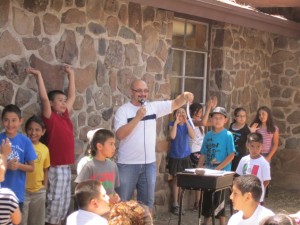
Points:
point(139, 176)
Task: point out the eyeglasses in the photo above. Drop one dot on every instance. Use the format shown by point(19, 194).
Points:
point(140, 91)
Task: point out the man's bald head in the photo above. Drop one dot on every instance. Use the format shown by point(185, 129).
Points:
point(136, 83)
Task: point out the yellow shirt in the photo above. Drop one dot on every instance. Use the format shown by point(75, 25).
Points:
point(34, 179)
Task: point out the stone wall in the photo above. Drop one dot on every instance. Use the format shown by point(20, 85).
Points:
point(252, 68)
point(108, 43)
point(285, 96)
point(240, 67)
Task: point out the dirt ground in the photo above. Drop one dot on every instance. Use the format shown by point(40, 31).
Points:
point(283, 201)
point(279, 201)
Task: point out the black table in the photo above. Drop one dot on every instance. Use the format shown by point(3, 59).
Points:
point(207, 182)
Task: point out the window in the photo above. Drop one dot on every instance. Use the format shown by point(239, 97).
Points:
point(190, 51)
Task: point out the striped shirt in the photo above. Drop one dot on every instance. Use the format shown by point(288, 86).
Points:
point(267, 139)
point(8, 205)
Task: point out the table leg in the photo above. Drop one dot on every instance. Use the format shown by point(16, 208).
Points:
point(200, 207)
point(213, 207)
point(180, 205)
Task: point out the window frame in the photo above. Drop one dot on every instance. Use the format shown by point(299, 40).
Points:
point(186, 50)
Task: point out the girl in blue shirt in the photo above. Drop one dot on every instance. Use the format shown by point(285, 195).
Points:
point(179, 157)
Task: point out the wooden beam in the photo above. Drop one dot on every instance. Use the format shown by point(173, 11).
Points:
point(228, 13)
point(270, 3)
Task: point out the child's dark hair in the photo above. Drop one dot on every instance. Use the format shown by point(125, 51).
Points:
point(100, 136)
point(86, 191)
point(236, 112)
point(279, 219)
point(11, 108)
point(35, 119)
point(255, 137)
point(249, 183)
point(270, 123)
point(194, 109)
point(52, 94)
point(175, 111)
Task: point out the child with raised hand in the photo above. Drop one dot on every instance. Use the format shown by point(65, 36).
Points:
point(217, 152)
point(101, 168)
point(60, 141)
point(180, 132)
point(255, 163)
point(240, 130)
point(200, 121)
point(36, 181)
point(22, 156)
point(9, 205)
point(264, 124)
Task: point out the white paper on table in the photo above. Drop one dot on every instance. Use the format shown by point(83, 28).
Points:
point(210, 172)
point(189, 116)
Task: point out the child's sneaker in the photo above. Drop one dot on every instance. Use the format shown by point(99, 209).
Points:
point(196, 206)
point(175, 210)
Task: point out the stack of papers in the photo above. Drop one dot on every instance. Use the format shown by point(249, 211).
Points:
point(208, 172)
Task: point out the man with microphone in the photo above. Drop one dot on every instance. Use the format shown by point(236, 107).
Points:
point(135, 127)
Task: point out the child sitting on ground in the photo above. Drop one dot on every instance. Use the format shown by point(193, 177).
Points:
point(130, 212)
point(93, 203)
point(279, 219)
point(245, 196)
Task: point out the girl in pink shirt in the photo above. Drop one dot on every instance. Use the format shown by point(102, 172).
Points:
point(264, 124)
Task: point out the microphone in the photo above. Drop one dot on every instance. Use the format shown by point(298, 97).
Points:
point(142, 101)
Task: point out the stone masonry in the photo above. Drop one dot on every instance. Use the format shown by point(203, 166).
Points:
point(252, 68)
point(109, 43)
point(240, 65)
point(285, 98)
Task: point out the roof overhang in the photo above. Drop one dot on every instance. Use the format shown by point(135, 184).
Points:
point(228, 13)
point(270, 3)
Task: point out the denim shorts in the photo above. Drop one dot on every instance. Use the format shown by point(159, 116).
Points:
point(137, 176)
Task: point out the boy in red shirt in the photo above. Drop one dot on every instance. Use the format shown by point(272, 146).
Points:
point(60, 141)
